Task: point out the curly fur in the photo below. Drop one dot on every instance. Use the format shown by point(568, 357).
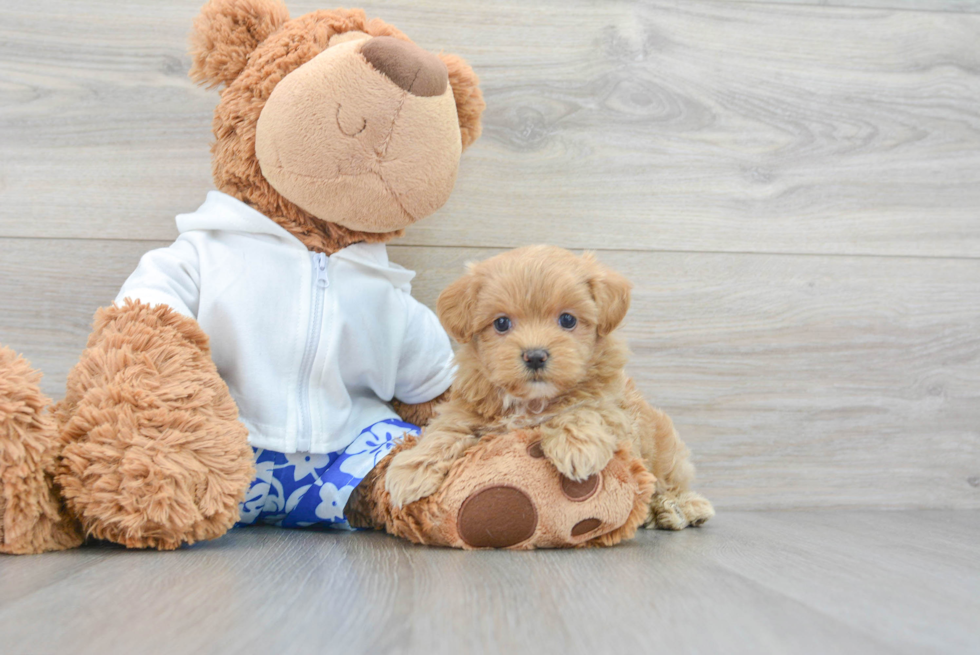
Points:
point(154, 453)
point(225, 34)
point(419, 414)
point(469, 97)
point(32, 518)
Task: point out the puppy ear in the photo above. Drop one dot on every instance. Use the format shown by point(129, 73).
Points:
point(469, 98)
point(225, 34)
point(456, 307)
point(611, 292)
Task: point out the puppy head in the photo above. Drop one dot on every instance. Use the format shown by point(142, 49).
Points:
point(535, 318)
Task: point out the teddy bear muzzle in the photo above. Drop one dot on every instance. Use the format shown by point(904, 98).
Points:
point(364, 135)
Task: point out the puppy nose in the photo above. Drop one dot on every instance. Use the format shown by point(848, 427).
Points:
point(535, 359)
point(415, 70)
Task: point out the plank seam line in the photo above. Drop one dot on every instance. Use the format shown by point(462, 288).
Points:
point(596, 249)
point(683, 251)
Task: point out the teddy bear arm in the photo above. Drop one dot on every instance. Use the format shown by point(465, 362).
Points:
point(420, 413)
point(154, 454)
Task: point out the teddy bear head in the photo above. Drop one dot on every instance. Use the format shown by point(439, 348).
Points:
point(339, 128)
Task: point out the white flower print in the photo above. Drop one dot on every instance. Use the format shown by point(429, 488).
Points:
point(305, 464)
point(318, 486)
point(254, 502)
point(330, 508)
point(369, 448)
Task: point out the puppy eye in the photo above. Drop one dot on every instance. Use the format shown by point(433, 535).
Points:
point(501, 324)
point(567, 321)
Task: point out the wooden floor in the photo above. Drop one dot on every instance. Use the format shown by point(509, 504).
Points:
point(748, 582)
point(793, 186)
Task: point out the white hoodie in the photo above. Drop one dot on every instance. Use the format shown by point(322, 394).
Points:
point(312, 347)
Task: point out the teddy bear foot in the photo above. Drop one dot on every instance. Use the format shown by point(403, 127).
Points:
point(155, 456)
point(32, 516)
point(503, 493)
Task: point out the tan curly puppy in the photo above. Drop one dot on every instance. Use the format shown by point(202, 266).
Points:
point(536, 327)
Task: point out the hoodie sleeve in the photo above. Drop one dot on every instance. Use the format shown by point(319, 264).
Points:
point(425, 367)
point(167, 276)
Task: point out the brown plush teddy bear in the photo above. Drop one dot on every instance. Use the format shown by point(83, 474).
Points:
point(251, 372)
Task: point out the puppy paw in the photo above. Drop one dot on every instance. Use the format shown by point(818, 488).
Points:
point(696, 507)
point(676, 512)
point(574, 455)
point(411, 477)
point(665, 514)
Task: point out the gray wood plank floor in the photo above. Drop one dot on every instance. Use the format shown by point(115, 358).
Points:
point(802, 582)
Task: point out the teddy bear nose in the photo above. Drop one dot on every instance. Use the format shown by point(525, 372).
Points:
point(415, 70)
point(535, 359)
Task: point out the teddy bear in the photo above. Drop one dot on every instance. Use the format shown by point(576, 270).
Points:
point(264, 367)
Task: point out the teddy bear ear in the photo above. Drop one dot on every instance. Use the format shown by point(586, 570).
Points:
point(456, 307)
point(225, 34)
point(611, 292)
point(469, 98)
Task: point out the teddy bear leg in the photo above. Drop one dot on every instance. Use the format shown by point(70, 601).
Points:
point(32, 516)
point(155, 456)
point(503, 493)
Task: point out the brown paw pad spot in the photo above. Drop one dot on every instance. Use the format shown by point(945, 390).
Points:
point(586, 526)
point(496, 517)
point(579, 491)
point(534, 450)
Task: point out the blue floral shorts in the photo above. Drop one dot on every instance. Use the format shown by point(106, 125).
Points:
point(298, 490)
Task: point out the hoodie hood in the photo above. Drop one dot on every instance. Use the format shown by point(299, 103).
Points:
point(221, 212)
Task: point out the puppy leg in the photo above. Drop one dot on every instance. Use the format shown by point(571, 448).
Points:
point(579, 443)
point(673, 506)
point(676, 511)
point(417, 472)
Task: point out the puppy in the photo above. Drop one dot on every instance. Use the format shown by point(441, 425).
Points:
point(538, 350)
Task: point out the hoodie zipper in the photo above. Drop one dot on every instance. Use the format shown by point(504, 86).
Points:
point(320, 284)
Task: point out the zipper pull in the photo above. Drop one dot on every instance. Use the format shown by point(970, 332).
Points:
point(320, 262)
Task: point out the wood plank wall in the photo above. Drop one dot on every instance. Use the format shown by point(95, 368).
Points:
point(793, 187)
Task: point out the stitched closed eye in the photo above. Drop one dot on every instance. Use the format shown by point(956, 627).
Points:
point(340, 125)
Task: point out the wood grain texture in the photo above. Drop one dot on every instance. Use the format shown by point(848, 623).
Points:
point(952, 6)
point(803, 582)
point(797, 381)
point(624, 125)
